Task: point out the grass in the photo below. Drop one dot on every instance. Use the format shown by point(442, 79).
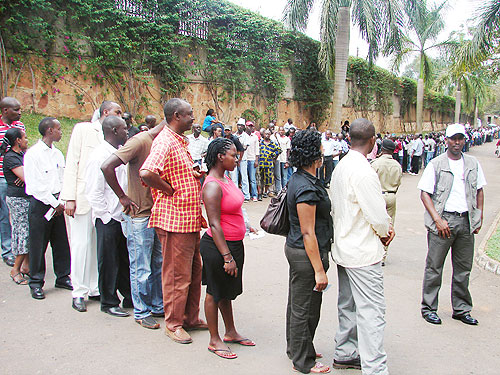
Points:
point(493, 245)
point(31, 121)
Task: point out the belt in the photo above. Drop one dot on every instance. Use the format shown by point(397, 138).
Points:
point(328, 156)
point(460, 214)
point(389, 192)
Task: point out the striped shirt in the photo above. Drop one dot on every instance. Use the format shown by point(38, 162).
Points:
point(170, 159)
point(3, 129)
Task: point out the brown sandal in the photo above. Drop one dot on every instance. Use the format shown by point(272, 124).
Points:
point(19, 279)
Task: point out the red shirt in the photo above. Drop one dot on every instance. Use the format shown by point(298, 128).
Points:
point(3, 129)
point(170, 159)
point(231, 215)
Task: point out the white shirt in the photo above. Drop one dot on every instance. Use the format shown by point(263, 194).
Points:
point(243, 140)
point(197, 146)
point(457, 201)
point(287, 126)
point(330, 147)
point(102, 199)
point(284, 143)
point(431, 145)
point(43, 172)
point(417, 147)
point(252, 143)
point(359, 214)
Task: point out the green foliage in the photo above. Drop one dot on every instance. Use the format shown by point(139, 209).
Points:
point(493, 245)
point(254, 116)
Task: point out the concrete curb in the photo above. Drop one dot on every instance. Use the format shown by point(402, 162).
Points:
point(482, 259)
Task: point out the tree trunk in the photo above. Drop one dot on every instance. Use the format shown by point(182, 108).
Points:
point(476, 113)
point(341, 58)
point(420, 105)
point(458, 102)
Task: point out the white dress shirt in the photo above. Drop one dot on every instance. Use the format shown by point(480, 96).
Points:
point(285, 145)
point(43, 172)
point(359, 214)
point(252, 150)
point(197, 146)
point(103, 201)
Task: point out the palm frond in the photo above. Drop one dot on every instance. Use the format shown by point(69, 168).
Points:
point(296, 14)
point(367, 16)
point(328, 27)
point(393, 35)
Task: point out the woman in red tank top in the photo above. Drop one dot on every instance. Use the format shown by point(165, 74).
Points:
point(221, 247)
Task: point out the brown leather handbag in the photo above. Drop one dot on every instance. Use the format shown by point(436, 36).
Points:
point(275, 220)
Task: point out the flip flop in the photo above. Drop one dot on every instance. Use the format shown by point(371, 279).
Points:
point(223, 353)
point(243, 342)
point(21, 281)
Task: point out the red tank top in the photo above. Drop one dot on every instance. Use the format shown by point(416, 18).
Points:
point(231, 216)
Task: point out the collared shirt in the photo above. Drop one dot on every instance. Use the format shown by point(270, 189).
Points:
point(252, 151)
point(102, 199)
point(3, 129)
point(170, 159)
point(345, 146)
point(389, 173)
point(43, 172)
point(197, 146)
point(359, 214)
point(331, 146)
point(417, 147)
point(285, 144)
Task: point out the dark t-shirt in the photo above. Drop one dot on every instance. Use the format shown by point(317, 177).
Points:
point(237, 143)
point(11, 161)
point(305, 188)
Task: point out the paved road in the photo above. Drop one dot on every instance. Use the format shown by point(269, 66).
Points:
point(49, 337)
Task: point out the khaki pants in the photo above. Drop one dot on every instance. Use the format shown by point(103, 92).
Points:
point(181, 278)
point(390, 206)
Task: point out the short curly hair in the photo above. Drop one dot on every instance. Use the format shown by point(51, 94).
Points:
point(306, 148)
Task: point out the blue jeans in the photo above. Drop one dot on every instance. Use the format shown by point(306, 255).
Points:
point(5, 229)
point(243, 167)
point(251, 176)
point(428, 157)
point(144, 251)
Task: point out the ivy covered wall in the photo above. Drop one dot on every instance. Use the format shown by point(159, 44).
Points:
point(141, 52)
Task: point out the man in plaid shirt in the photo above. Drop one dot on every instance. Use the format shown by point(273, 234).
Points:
point(176, 216)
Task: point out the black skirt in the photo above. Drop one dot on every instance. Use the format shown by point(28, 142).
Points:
point(221, 285)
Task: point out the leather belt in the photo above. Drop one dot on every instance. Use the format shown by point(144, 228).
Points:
point(389, 192)
point(460, 214)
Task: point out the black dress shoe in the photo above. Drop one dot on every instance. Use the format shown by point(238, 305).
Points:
point(432, 317)
point(466, 318)
point(9, 260)
point(94, 298)
point(115, 311)
point(66, 284)
point(352, 363)
point(79, 304)
point(37, 293)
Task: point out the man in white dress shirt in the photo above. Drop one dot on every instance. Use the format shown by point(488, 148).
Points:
point(84, 139)
point(112, 253)
point(362, 228)
point(43, 171)
point(331, 151)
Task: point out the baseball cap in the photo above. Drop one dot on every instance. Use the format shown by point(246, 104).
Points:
point(228, 127)
point(453, 129)
point(388, 145)
point(249, 123)
point(241, 121)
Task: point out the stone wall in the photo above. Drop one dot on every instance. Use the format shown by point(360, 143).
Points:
point(78, 96)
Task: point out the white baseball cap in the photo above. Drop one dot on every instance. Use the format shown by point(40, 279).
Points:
point(241, 121)
point(453, 129)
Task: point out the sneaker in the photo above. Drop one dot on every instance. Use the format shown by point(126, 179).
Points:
point(352, 363)
point(148, 322)
point(254, 199)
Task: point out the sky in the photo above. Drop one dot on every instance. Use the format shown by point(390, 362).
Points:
point(458, 12)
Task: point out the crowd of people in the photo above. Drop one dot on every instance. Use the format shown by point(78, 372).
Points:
point(133, 201)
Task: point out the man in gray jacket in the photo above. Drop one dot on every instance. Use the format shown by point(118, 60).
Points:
point(452, 193)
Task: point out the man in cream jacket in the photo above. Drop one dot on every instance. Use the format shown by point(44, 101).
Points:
point(86, 136)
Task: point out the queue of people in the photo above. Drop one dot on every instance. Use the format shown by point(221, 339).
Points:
point(134, 207)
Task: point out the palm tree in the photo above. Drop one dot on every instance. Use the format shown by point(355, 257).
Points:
point(378, 22)
point(423, 25)
point(486, 39)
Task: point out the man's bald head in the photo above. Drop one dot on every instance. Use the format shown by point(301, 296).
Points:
point(361, 131)
point(115, 130)
point(11, 109)
point(174, 105)
point(109, 108)
point(150, 121)
point(9, 102)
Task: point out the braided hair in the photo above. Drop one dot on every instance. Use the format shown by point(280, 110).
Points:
point(10, 139)
point(219, 146)
point(306, 148)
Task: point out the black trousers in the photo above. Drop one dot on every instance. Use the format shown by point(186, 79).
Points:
point(42, 232)
point(326, 170)
point(415, 164)
point(112, 262)
point(303, 309)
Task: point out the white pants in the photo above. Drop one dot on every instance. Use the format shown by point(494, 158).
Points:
point(361, 311)
point(83, 256)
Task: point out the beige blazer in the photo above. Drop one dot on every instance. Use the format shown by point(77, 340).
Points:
point(86, 136)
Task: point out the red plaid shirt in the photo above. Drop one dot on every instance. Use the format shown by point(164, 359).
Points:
point(3, 129)
point(170, 159)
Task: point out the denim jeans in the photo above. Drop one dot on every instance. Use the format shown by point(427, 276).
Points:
point(428, 157)
point(251, 176)
point(243, 167)
point(5, 229)
point(281, 176)
point(144, 249)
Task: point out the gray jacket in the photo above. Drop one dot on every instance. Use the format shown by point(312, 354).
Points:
point(442, 189)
